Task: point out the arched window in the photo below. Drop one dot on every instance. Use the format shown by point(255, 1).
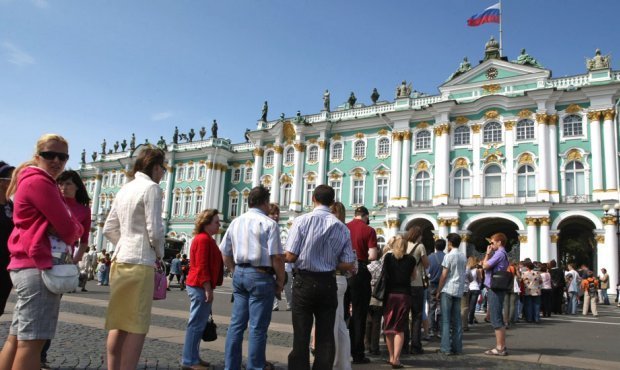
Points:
point(493, 182)
point(358, 192)
point(249, 171)
point(202, 170)
point(380, 242)
point(382, 190)
point(461, 135)
point(423, 140)
point(313, 154)
point(244, 204)
point(188, 202)
point(289, 155)
point(526, 181)
point(383, 146)
point(359, 149)
point(336, 184)
point(190, 173)
point(309, 190)
point(176, 207)
point(525, 129)
point(236, 175)
point(492, 133)
point(121, 179)
point(336, 152)
point(198, 207)
point(462, 189)
point(269, 158)
point(105, 180)
point(422, 187)
point(234, 205)
point(113, 179)
point(573, 125)
point(575, 178)
point(180, 173)
point(286, 195)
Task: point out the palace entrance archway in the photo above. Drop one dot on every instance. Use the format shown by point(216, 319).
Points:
point(428, 238)
point(576, 242)
point(484, 228)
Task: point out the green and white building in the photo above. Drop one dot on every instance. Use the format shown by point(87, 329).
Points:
point(503, 147)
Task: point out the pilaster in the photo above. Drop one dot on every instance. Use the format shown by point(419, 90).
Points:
point(553, 160)
point(611, 154)
point(300, 150)
point(594, 119)
point(258, 165)
point(476, 190)
point(397, 140)
point(277, 172)
point(442, 172)
point(406, 161)
point(545, 246)
point(322, 160)
point(543, 157)
point(608, 251)
point(510, 168)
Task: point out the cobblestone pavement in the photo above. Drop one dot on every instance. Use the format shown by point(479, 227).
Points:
point(82, 345)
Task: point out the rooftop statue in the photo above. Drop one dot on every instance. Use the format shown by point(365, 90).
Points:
point(326, 100)
point(183, 137)
point(527, 60)
point(264, 112)
point(202, 132)
point(175, 135)
point(83, 156)
point(116, 145)
point(191, 135)
point(162, 143)
point(103, 145)
point(299, 118)
point(374, 96)
point(94, 156)
point(403, 90)
point(109, 151)
point(598, 61)
point(247, 135)
point(214, 129)
point(132, 143)
point(123, 144)
point(463, 67)
point(281, 117)
point(491, 49)
point(352, 100)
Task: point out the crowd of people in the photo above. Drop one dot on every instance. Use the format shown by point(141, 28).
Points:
point(344, 292)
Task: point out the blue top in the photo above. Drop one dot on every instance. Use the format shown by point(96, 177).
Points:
point(320, 241)
point(434, 269)
point(498, 262)
point(175, 266)
point(456, 263)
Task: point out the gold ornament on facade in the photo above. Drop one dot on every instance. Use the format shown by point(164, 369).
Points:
point(335, 176)
point(379, 231)
point(545, 221)
point(248, 163)
point(531, 221)
point(98, 176)
point(269, 146)
point(267, 180)
point(235, 165)
point(312, 141)
point(422, 166)
point(278, 149)
point(234, 195)
point(322, 144)
point(382, 132)
point(464, 238)
point(382, 172)
point(258, 152)
point(460, 163)
point(288, 131)
point(573, 108)
point(246, 193)
point(358, 174)
point(300, 147)
point(393, 224)
point(461, 120)
point(310, 177)
point(574, 155)
point(594, 116)
point(360, 135)
point(285, 179)
point(422, 125)
point(609, 114)
point(523, 238)
point(442, 222)
point(526, 158)
point(492, 159)
point(454, 222)
point(475, 128)
point(438, 131)
point(609, 220)
point(552, 119)
point(525, 113)
point(397, 136)
point(600, 239)
point(509, 125)
point(491, 88)
point(554, 238)
point(289, 142)
point(542, 118)
point(336, 137)
point(407, 135)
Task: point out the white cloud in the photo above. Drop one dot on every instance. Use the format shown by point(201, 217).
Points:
point(161, 116)
point(16, 56)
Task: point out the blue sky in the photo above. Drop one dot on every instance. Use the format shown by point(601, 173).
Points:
point(90, 70)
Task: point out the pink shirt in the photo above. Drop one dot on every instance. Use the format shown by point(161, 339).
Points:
point(546, 280)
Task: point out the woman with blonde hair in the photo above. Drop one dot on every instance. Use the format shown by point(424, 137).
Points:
point(399, 270)
point(206, 271)
point(135, 227)
point(475, 277)
point(40, 215)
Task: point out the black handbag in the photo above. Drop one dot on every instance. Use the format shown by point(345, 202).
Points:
point(502, 280)
point(380, 288)
point(210, 332)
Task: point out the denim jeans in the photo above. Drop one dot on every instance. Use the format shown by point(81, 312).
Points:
point(451, 319)
point(199, 311)
point(572, 302)
point(473, 299)
point(604, 296)
point(532, 308)
point(495, 305)
point(253, 293)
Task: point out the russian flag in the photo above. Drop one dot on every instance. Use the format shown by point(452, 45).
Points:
point(489, 15)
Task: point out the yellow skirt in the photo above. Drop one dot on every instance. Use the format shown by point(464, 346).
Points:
point(131, 298)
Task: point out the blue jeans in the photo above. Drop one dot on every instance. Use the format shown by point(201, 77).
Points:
point(532, 308)
point(451, 319)
point(495, 305)
point(253, 292)
point(572, 305)
point(199, 311)
point(604, 296)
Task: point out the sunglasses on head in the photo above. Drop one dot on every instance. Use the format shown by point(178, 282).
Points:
point(63, 157)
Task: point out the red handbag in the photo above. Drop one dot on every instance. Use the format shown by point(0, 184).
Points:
point(159, 292)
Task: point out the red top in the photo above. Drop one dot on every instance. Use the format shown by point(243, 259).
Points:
point(363, 237)
point(82, 214)
point(206, 263)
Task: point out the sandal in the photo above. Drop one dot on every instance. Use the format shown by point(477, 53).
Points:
point(496, 352)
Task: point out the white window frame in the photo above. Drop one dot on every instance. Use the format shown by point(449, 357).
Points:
point(180, 173)
point(382, 185)
point(233, 204)
point(176, 203)
point(337, 188)
point(248, 173)
point(423, 143)
point(523, 130)
point(236, 175)
point(461, 179)
point(574, 191)
point(191, 171)
point(313, 151)
point(466, 133)
point(269, 158)
point(527, 176)
point(198, 201)
point(357, 199)
point(494, 130)
point(383, 147)
point(309, 187)
point(573, 135)
point(202, 172)
point(500, 175)
point(244, 202)
point(289, 161)
point(425, 181)
point(286, 192)
point(187, 202)
point(332, 153)
point(359, 151)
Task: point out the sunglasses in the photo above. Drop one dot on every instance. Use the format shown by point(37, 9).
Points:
point(63, 157)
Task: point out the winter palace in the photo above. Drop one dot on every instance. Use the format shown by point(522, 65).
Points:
point(503, 147)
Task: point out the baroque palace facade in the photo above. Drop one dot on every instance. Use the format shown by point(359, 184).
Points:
point(502, 147)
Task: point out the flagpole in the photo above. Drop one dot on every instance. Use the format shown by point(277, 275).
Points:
point(501, 16)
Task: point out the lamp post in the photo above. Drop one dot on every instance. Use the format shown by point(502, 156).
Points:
point(614, 213)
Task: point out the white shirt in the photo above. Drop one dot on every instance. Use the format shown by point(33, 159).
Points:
point(134, 224)
point(456, 263)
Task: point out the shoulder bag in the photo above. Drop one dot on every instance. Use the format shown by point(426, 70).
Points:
point(380, 288)
point(63, 278)
point(502, 280)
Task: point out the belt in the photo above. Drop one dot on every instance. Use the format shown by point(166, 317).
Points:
point(263, 269)
point(339, 273)
point(314, 273)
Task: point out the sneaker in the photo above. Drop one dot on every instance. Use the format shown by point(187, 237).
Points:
point(276, 309)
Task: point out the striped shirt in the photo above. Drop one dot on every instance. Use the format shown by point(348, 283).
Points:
point(320, 241)
point(252, 238)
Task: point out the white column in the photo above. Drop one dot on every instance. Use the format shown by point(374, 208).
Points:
point(208, 179)
point(321, 175)
point(219, 189)
point(464, 241)
point(442, 169)
point(277, 172)
point(397, 138)
point(295, 205)
point(443, 227)
point(553, 254)
point(553, 160)
point(454, 225)
point(96, 195)
point(215, 189)
point(405, 167)
point(169, 182)
point(100, 235)
point(607, 252)
point(543, 157)
point(477, 175)
point(545, 252)
point(532, 240)
point(510, 156)
point(611, 156)
point(594, 119)
point(258, 166)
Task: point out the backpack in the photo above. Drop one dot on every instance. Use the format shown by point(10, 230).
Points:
point(591, 288)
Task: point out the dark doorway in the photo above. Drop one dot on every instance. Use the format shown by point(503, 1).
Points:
point(428, 238)
point(576, 243)
point(485, 228)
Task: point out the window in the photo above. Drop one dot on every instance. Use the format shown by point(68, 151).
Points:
point(105, 180)
point(180, 173)
point(525, 129)
point(198, 206)
point(176, 208)
point(382, 190)
point(423, 140)
point(121, 179)
point(289, 155)
point(461, 184)
point(383, 146)
point(337, 186)
point(380, 242)
point(236, 175)
point(526, 181)
point(422, 187)
point(188, 203)
point(336, 152)
point(202, 170)
point(575, 178)
point(359, 149)
point(244, 204)
point(492, 133)
point(248, 174)
point(286, 195)
point(573, 125)
point(493, 182)
point(461, 135)
point(313, 154)
point(310, 185)
point(269, 158)
point(234, 204)
point(358, 192)
point(113, 179)
point(190, 173)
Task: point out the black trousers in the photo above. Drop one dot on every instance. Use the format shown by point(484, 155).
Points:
point(415, 329)
point(315, 297)
point(359, 294)
point(5, 287)
point(545, 302)
point(557, 296)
